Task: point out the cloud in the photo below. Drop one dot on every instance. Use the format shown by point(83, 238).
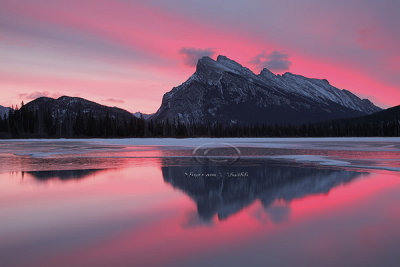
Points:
point(37, 94)
point(192, 55)
point(113, 100)
point(276, 61)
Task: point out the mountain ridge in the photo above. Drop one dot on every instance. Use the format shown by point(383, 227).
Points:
point(69, 106)
point(141, 115)
point(391, 114)
point(219, 89)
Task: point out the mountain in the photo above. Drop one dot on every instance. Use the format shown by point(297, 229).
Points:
point(141, 115)
point(70, 117)
point(226, 92)
point(4, 111)
point(68, 107)
point(383, 116)
point(381, 123)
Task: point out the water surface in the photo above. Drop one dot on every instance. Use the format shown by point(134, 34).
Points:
point(313, 202)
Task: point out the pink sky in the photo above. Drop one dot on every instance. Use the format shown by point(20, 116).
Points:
point(129, 53)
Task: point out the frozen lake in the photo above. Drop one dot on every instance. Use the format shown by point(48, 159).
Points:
point(200, 202)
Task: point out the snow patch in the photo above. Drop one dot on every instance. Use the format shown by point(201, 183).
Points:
point(322, 160)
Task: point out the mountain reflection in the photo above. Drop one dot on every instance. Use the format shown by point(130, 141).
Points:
point(62, 174)
point(216, 191)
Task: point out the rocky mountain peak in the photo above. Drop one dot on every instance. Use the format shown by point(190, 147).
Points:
point(290, 75)
point(229, 63)
point(224, 91)
point(266, 73)
point(234, 66)
point(207, 65)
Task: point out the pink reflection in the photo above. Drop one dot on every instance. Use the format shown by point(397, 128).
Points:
point(129, 215)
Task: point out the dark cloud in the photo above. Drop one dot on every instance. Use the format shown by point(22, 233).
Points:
point(192, 55)
point(37, 94)
point(276, 61)
point(113, 100)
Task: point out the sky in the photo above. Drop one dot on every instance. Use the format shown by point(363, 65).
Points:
point(128, 53)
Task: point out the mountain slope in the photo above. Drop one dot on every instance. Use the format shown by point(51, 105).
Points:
point(70, 117)
point(386, 115)
point(226, 92)
point(382, 123)
point(66, 106)
point(141, 115)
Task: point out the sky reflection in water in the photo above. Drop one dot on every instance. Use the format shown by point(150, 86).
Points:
point(162, 211)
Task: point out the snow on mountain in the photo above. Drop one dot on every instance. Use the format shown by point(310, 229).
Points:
point(226, 92)
point(67, 108)
point(141, 115)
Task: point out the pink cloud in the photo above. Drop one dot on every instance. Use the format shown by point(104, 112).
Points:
point(192, 55)
point(274, 61)
point(112, 100)
point(37, 94)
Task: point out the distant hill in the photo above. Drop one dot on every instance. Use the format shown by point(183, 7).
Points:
point(381, 123)
point(225, 92)
point(384, 116)
point(67, 107)
point(69, 117)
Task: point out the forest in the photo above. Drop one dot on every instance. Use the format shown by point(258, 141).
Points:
point(25, 123)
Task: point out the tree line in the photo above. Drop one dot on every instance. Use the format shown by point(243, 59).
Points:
point(26, 123)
